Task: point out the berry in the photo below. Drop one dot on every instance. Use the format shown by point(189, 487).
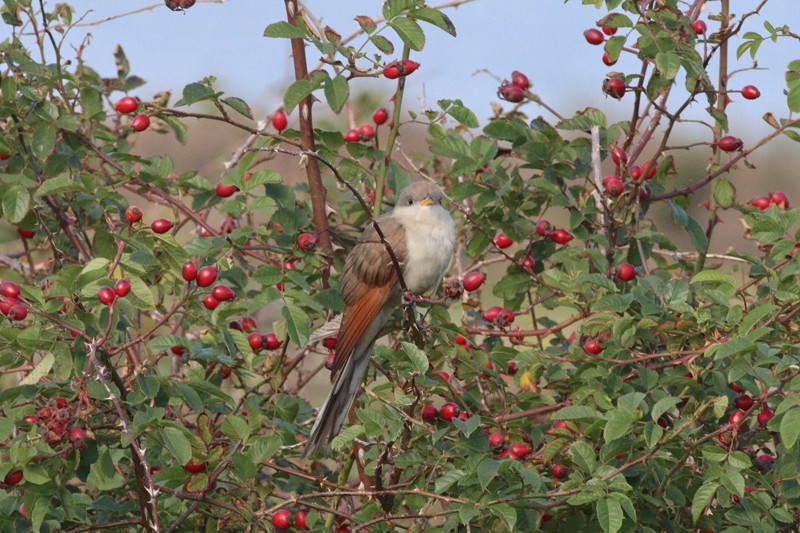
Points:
point(453, 288)
point(352, 136)
point(520, 80)
point(560, 236)
point(126, 104)
point(280, 120)
point(429, 412)
point(473, 281)
point(26, 233)
point(22, 511)
point(493, 312)
point(223, 293)
point(512, 368)
point(649, 169)
point(614, 87)
point(30, 419)
point(18, 312)
point(619, 156)
point(206, 276)
point(461, 340)
point(764, 416)
point(282, 519)
point(517, 450)
point(608, 30)
point(329, 361)
point(502, 240)
point(248, 324)
point(106, 295)
point(736, 417)
point(750, 92)
point(161, 225)
point(210, 302)
point(366, 132)
point(636, 172)
point(12, 478)
point(496, 440)
point(224, 191)
point(544, 228)
point(256, 341)
point(558, 471)
point(592, 346)
point(133, 214)
point(607, 59)
point(444, 375)
point(594, 36)
point(400, 68)
point(391, 71)
point(271, 341)
point(140, 122)
point(195, 468)
point(330, 342)
point(450, 411)
point(380, 116)
point(226, 371)
point(122, 287)
point(527, 262)
point(189, 271)
point(504, 318)
point(626, 272)
point(178, 350)
point(780, 199)
point(744, 402)
point(614, 187)
point(235, 324)
point(699, 27)
point(4, 156)
point(511, 93)
point(300, 520)
point(307, 242)
point(9, 289)
point(77, 436)
point(736, 388)
point(729, 143)
point(761, 202)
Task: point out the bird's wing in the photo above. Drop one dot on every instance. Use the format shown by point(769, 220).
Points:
point(369, 281)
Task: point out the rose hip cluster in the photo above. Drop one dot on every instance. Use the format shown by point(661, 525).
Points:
point(515, 90)
point(11, 304)
point(56, 418)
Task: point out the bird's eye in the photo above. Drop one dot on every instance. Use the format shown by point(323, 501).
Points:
point(410, 201)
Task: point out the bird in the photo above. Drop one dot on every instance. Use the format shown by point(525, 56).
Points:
point(421, 233)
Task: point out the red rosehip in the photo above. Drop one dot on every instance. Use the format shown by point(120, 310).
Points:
point(30, 419)
point(699, 27)
point(619, 156)
point(511, 93)
point(493, 312)
point(223, 293)
point(140, 122)
point(626, 272)
point(750, 92)
point(195, 468)
point(352, 136)
point(608, 30)
point(300, 520)
point(380, 116)
point(282, 519)
point(607, 59)
point(12, 478)
point(614, 187)
point(429, 412)
point(77, 436)
point(780, 199)
point(9, 289)
point(22, 511)
point(504, 318)
point(761, 202)
point(224, 191)
point(226, 371)
point(280, 120)
point(744, 402)
point(18, 312)
point(161, 225)
point(473, 281)
point(736, 417)
point(307, 242)
point(764, 416)
point(635, 172)
point(649, 169)
point(560, 424)
point(461, 340)
point(512, 368)
point(391, 71)
point(235, 324)
point(248, 324)
point(544, 228)
point(527, 262)
point(178, 350)
point(210, 302)
point(206, 276)
point(271, 341)
point(256, 341)
point(614, 87)
point(133, 214)
point(330, 342)
point(502, 240)
point(517, 450)
point(330, 360)
point(450, 411)
point(560, 236)
point(593, 36)
point(127, 104)
point(4, 156)
point(122, 287)
point(26, 233)
point(366, 132)
point(106, 295)
point(558, 471)
point(520, 80)
point(189, 271)
point(496, 440)
point(736, 388)
point(729, 143)
point(592, 346)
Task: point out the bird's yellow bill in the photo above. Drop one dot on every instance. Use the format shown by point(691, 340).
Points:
point(426, 201)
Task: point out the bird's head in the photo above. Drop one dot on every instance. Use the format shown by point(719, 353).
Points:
point(422, 193)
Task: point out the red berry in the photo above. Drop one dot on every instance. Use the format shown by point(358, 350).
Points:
point(329, 361)
point(235, 324)
point(736, 388)
point(189, 271)
point(558, 471)
point(256, 341)
point(307, 242)
point(226, 371)
point(461, 340)
point(699, 27)
point(300, 520)
point(635, 172)
point(750, 92)
point(127, 104)
point(764, 416)
point(366, 132)
point(560, 236)
point(592, 346)
point(26, 233)
point(729, 143)
point(429, 412)
point(780, 199)
point(560, 424)
point(280, 120)
point(450, 411)
point(607, 59)
point(380, 116)
point(649, 169)
point(496, 440)
point(614, 87)
point(352, 136)
point(511, 93)
point(504, 318)
point(248, 324)
point(614, 187)
point(493, 312)
point(77, 436)
point(161, 225)
point(223, 293)
point(608, 30)
point(122, 287)
point(527, 262)
point(520, 80)
point(512, 368)
point(391, 71)
point(409, 66)
point(178, 350)
point(30, 419)
point(13, 477)
point(594, 36)
point(9, 289)
point(330, 342)
point(206, 276)
point(619, 156)
point(544, 228)
point(271, 341)
point(744, 402)
point(133, 214)
point(282, 519)
point(106, 295)
point(626, 272)
point(736, 417)
point(210, 302)
point(4, 156)
point(22, 511)
point(140, 122)
point(761, 202)
point(195, 468)
point(502, 240)
point(224, 191)
point(517, 450)
point(18, 312)
point(473, 281)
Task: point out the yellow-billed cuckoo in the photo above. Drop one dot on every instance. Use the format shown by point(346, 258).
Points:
point(421, 234)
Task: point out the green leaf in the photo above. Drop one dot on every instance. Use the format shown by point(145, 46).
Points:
point(668, 63)
point(238, 105)
point(243, 466)
point(435, 17)
point(16, 202)
point(793, 99)
point(235, 428)
point(577, 412)
point(298, 324)
point(409, 32)
point(284, 30)
point(663, 405)
point(618, 425)
point(790, 427)
point(40, 371)
point(382, 43)
point(57, 185)
point(583, 456)
point(506, 513)
point(142, 292)
point(195, 92)
point(702, 498)
point(44, 140)
point(337, 90)
point(609, 514)
point(177, 444)
point(448, 480)
point(299, 90)
point(464, 115)
point(417, 357)
point(487, 470)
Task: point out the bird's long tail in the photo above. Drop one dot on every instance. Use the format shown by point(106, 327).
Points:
point(333, 413)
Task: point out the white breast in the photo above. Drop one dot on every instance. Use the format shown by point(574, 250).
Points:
point(430, 232)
